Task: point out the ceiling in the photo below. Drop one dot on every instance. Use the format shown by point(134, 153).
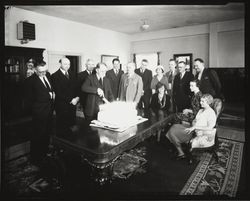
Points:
point(127, 19)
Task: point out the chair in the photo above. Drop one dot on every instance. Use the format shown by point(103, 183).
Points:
point(217, 105)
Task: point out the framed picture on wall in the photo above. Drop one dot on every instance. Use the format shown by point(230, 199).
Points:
point(188, 58)
point(107, 59)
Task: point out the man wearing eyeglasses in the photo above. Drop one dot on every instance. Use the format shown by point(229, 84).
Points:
point(41, 96)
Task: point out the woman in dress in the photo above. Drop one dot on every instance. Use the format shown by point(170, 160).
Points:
point(160, 100)
point(202, 125)
point(188, 115)
point(159, 77)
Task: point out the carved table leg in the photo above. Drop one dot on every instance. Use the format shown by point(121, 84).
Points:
point(101, 173)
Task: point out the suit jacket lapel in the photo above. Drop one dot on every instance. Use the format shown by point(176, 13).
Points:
point(40, 82)
point(96, 81)
point(62, 75)
point(48, 78)
point(203, 74)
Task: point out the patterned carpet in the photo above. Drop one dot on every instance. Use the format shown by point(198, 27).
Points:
point(208, 178)
point(222, 178)
point(130, 163)
point(22, 178)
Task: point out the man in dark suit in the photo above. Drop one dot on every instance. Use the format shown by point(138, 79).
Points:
point(98, 88)
point(67, 95)
point(181, 88)
point(146, 76)
point(209, 80)
point(41, 96)
point(170, 75)
point(82, 76)
point(114, 76)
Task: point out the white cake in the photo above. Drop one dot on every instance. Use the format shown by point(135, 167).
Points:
point(118, 114)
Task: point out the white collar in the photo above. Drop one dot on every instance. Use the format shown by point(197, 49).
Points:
point(63, 71)
point(98, 77)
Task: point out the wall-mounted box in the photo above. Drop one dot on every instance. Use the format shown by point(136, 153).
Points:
point(26, 31)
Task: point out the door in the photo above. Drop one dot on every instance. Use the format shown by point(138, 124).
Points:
point(74, 64)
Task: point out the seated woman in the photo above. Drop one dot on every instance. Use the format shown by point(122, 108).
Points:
point(202, 125)
point(188, 115)
point(159, 77)
point(160, 101)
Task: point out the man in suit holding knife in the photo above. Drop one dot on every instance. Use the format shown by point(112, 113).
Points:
point(98, 90)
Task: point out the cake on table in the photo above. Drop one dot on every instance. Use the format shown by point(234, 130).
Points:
point(118, 114)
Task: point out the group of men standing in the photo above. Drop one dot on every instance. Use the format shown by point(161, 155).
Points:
point(97, 85)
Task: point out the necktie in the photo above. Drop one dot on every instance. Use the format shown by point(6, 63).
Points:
point(100, 81)
point(142, 71)
point(116, 72)
point(170, 77)
point(46, 83)
point(67, 74)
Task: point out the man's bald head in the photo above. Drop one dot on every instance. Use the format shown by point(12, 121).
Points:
point(90, 64)
point(65, 63)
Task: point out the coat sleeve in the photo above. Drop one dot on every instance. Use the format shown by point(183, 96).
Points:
point(120, 90)
point(153, 84)
point(168, 103)
point(88, 87)
point(150, 77)
point(139, 90)
point(109, 91)
point(59, 89)
point(215, 82)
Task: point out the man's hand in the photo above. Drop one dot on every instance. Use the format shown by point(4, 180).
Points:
point(74, 101)
point(100, 92)
point(186, 111)
point(189, 130)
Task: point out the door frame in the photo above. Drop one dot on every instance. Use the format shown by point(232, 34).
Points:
point(65, 53)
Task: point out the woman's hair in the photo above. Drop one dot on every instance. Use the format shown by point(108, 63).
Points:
point(159, 85)
point(197, 82)
point(209, 99)
point(161, 67)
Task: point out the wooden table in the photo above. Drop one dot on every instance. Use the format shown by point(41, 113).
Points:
point(100, 147)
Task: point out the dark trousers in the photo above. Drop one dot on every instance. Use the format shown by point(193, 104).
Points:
point(144, 101)
point(40, 138)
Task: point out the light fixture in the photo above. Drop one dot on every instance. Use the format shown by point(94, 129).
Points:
point(144, 26)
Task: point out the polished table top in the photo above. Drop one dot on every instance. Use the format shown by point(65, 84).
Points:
point(99, 145)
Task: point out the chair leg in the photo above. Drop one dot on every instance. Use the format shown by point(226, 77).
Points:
point(189, 154)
